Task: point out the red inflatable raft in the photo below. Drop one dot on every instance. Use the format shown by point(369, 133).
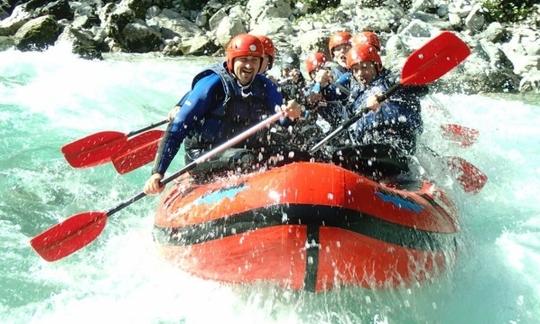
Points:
point(310, 226)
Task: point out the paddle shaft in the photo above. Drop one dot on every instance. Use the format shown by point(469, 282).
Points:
point(138, 131)
point(233, 141)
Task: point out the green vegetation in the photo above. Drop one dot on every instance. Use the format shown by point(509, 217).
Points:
point(508, 11)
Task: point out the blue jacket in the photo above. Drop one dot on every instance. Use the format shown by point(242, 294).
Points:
point(337, 70)
point(216, 109)
point(396, 123)
point(334, 108)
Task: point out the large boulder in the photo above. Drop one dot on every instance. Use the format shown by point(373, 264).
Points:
point(6, 42)
point(171, 24)
point(216, 18)
point(6, 8)
point(139, 7)
point(140, 38)
point(495, 32)
point(271, 26)
point(523, 49)
point(475, 20)
point(411, 37)
point(496, 57)
point(530, 81)
point(82, 43)
point(18, 17)
point(59, 9)
point(476, 75)
point(115, 18)
point(260, 10)
point(458, 11)
point(197, 45)
point(38, 33)
point(228, 28)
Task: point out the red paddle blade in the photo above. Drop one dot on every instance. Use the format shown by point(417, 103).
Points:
point(140, 150)
point(69, 236)
point(94, 149)
point(465, 136)
point(469, 176)
point(434, 59)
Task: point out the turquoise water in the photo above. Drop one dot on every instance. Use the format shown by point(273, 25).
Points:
point(48, 99)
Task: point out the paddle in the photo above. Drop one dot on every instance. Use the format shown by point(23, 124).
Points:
point(469, 176)
point(426, 64)
point(138, 151)
point(80, 229)
point(462, 135)
point(98, 148)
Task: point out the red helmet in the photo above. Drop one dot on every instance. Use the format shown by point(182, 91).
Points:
point(339, 38)
point(315, 61)
point(268, 46)
point(364, 52)
point(243, 45)
point(366, 37)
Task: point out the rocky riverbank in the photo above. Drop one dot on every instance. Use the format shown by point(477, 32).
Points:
point(506, 55)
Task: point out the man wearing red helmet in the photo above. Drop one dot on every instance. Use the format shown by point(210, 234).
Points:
point(388, 129)
point(225, 100)
point(338, 46)
point(322, 95)
point(315, 62)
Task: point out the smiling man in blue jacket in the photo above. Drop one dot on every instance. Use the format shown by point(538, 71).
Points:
point(225, 100)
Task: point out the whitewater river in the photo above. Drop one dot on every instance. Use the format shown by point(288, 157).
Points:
point(49, 99)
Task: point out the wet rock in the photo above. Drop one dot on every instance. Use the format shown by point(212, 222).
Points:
point(37, 34)
point(214, 21)
point(6, 8)
point(496, 57)
point(171, 24)
point(140, 38)
point(530, 81)
point(494, 32)
point(82, 43)
point(198, 45)
point(153, 12)
point(86, 21)
point(475, 19)
point(6, 42)
point(138, 7)
point(272, 26)
point(228, 28)
point(260, 10)
point(202, 19)
point(18, 17)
